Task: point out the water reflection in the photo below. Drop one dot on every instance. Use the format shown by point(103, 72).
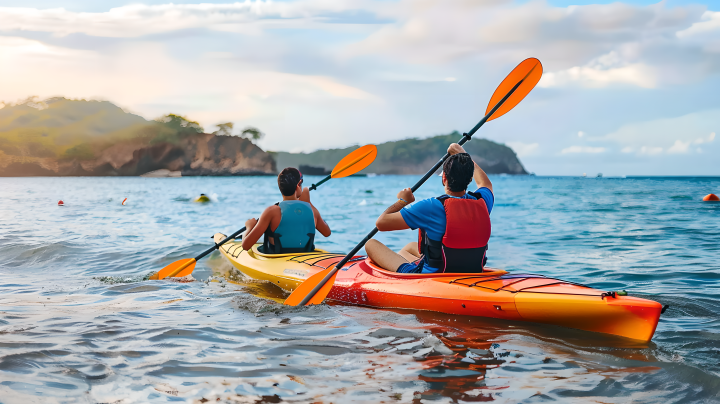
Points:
point(472, 359)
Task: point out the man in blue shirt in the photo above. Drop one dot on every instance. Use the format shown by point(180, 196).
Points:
point(429, 215)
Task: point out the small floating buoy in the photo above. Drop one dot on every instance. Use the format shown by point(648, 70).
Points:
point(711, 198)
point(123, 202)
point(202, 198)
point(61, 203)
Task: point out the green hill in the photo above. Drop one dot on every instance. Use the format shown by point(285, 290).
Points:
point(61, 137)
point(413, 156)
point(79, 129)
point(58, 127)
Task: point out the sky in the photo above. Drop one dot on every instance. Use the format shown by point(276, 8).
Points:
point(629, 88)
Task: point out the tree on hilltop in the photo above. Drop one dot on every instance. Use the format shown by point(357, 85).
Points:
point(181, 125)
point(252, 133)
point(224, 129)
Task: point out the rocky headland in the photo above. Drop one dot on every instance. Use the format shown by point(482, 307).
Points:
point(413, 156)
point(201, 154)
point(62, 137)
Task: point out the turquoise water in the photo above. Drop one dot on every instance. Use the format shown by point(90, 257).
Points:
point(79, 324)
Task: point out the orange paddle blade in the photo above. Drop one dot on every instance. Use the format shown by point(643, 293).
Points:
point(530, 71)
point(354, 162)
point(306, 287)
point(177, 269)
point(323, 292)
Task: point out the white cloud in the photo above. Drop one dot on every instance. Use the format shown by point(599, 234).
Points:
point(409, 77)
point(667, 131)
point(136, 20)
point(13, 48)
point(26, 60)
point(710, 22)
point(651, 150)
point(523, 149)
point(588, 46)
point(615, 67)
point(709, 139)
point(582, 149)
point(581, 134)
point(679, 147)
point(635, 74)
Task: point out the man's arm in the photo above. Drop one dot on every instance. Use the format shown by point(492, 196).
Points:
point(392, 219)
point(481, 179)
point(254, 229)
point(320, 224)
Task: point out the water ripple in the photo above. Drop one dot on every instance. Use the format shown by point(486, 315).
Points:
point(79, 321)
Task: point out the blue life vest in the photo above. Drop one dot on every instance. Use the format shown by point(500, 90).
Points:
point(296, 231)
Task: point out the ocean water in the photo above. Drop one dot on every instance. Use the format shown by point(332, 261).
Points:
point(78, 322)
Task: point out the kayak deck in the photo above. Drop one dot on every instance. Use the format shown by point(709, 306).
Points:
point(493, 293)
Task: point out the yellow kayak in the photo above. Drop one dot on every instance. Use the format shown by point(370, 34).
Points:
point(493, 293)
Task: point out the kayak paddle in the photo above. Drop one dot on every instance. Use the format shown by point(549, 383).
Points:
point(349, 165)
point(509, 93)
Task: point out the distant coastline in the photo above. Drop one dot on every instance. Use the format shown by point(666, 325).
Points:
point(63, 137)
point(413, 156)
point(635, 177)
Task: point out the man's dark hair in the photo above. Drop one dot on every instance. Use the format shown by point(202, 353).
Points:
point(458, 170)
point(288, 180)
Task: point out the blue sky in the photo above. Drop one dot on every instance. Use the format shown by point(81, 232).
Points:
point(629, 87)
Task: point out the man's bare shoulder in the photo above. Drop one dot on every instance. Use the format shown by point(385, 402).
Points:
point(271, 210)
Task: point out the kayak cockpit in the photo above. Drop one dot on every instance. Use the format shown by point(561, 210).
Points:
point(375, 270)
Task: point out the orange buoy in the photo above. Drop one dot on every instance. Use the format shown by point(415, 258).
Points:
point(61, 203)
point(711, 198)
point(123, 202)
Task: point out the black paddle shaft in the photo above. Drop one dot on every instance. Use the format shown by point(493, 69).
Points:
point(216, 246)
point(237, 233)
point(465, 138)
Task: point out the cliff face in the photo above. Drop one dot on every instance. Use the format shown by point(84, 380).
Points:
point(201, 154)
point(414, 156)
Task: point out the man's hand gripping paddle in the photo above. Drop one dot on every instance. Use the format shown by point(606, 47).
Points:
point(349, 165)
point(511, 91)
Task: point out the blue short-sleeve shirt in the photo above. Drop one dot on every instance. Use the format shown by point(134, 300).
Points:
point(429, 215)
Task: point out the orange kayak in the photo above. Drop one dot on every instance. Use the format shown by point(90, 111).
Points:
point(494, 293)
